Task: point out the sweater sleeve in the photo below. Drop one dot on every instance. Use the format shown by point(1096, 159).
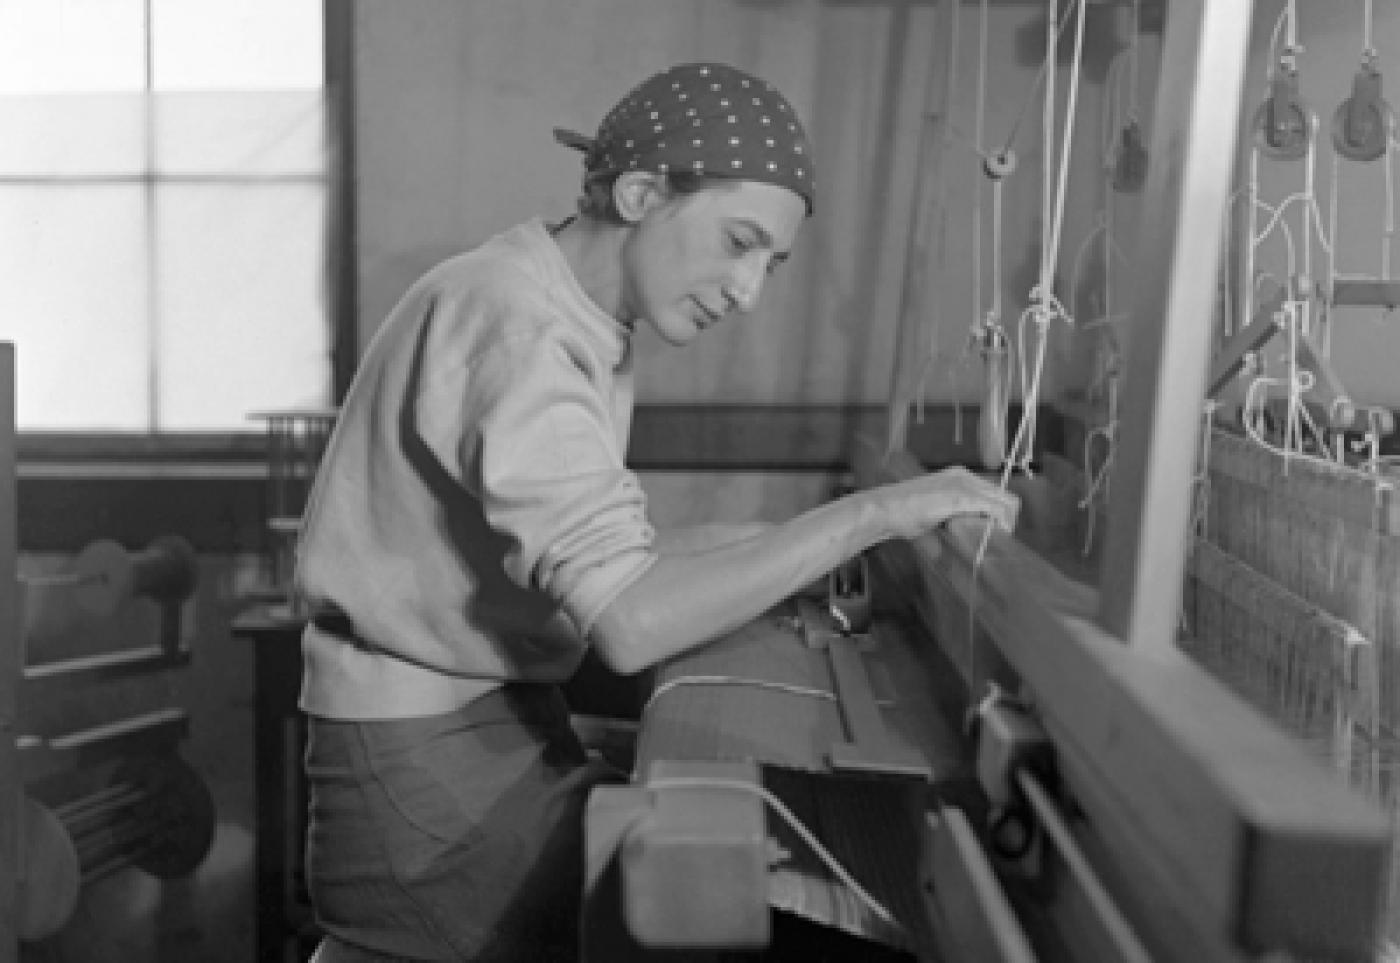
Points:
point(532, 440)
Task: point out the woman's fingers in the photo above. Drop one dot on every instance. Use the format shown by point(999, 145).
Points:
point(944, 494)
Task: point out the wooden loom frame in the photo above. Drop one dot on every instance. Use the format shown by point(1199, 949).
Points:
point(1223, 838)
point(10, 788)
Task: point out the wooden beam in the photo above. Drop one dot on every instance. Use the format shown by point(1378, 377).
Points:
point(1365, 292)
point(1218, 823)
point(1169, 332)
point(1250, 338)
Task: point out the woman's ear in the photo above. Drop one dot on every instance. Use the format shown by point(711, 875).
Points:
point(635, 193)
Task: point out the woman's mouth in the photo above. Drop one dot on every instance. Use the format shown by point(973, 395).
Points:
point(707, 317)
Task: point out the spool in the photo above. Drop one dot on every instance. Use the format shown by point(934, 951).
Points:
point(49, 878)
point(154, 813)
point(991, 420)
point(163, 822)
point(107, 575)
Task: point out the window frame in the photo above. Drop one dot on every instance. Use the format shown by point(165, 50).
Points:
point(233, 454)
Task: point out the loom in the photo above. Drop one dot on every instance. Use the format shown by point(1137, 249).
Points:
point(975, 747)
point(91, 796)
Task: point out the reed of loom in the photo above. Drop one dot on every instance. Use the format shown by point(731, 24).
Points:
point(1293, 597)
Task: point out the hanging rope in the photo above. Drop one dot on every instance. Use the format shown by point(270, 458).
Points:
point(1200, 498)
point(1043, 308)
point(1300, 282)
point(1096, 491)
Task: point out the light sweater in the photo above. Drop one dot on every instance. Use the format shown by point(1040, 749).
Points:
point(473, 515)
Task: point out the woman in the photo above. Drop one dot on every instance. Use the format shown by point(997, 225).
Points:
point(474, 529)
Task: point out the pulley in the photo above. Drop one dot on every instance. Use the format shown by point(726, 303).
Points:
point(999, 165)
point(1283, 122)
point(1361, 122)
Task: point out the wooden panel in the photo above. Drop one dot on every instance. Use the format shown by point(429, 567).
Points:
point(1222, 819)
point(10, 791)
point(738, 437)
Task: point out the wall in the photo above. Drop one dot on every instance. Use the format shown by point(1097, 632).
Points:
point(455, 102)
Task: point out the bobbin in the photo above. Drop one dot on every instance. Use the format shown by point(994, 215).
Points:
point(107, 575)
point(154, 813)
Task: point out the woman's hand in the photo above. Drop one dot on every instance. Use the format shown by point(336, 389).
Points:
point(917, 505)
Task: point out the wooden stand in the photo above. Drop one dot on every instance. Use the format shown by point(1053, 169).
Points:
point(11, 794)
point(285, 932)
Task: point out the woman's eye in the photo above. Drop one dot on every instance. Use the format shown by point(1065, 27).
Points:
point(739, 244)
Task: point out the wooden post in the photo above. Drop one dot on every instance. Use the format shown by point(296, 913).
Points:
point(11, 792)
point(1195, 126)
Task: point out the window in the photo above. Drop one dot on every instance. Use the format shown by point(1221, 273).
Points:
point(164, 195)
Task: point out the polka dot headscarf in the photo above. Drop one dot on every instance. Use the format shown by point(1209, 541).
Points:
point(702, 118)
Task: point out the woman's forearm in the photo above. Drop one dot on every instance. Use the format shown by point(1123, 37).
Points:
point(684, 600)
point(689, 598)
point(703, 538)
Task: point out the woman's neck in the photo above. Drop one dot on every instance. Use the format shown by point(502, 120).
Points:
point(594, 251)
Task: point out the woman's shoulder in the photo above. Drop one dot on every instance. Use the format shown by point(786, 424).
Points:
point(505, 266)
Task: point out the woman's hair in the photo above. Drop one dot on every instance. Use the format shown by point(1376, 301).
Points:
point(597, 198)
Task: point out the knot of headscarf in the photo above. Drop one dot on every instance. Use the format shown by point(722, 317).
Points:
point(702, 118)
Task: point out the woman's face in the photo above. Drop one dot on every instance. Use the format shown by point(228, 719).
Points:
point(694, 259)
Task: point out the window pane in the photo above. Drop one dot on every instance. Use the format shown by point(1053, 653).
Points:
point(50, 135)
point(73, 278)
point(242, 45)
point(241, 313)
point(50, 46)
point(246, 134)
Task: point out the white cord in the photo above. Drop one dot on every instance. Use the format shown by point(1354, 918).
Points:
point(731, 680)
point(831, 863)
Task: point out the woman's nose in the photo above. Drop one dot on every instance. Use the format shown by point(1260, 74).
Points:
point(745, 286)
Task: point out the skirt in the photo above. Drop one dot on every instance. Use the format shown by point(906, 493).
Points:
point(451, 837)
